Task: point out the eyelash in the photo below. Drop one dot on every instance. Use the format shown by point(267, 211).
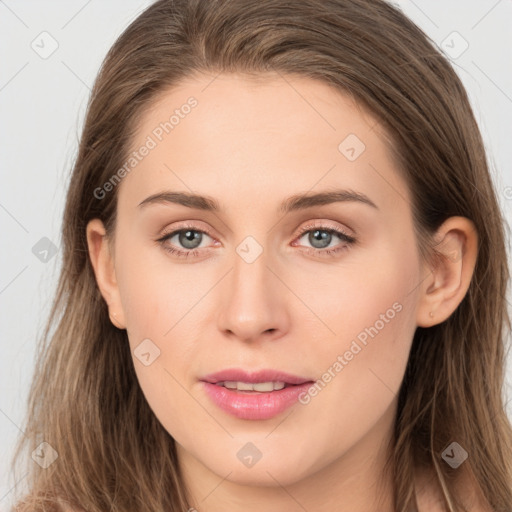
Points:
point(349, 240)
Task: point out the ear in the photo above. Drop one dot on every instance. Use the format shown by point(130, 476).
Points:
point(102, 260)
point(449, 273)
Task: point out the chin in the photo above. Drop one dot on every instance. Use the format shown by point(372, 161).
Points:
point(270, 465)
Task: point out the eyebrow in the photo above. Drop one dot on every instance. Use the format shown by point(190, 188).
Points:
point(293, 203)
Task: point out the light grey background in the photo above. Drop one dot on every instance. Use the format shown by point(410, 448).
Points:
point(42, 104)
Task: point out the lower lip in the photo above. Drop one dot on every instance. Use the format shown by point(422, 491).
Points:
point(255, 405)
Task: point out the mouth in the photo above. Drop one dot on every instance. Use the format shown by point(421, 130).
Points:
point(254, 396)
point(258, 387)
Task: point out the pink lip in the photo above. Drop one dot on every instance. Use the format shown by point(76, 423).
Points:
point(254, 405)
point(237, 374)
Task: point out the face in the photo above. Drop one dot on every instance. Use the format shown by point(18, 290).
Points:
point(224, 306)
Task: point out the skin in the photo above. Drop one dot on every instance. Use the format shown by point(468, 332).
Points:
point(251, 144)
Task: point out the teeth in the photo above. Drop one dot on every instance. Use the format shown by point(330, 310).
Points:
point(263, 387)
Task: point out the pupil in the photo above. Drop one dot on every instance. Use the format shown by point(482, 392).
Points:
point(188, 239)
point(320, 236)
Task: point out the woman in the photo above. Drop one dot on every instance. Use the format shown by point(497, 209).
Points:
point(284, 275)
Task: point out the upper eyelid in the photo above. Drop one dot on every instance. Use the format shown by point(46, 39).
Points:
point(175, 231)
point(322, 226)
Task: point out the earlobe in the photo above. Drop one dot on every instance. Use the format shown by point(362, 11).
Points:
point(102, 261)
point(449, 273)
point(114, 320)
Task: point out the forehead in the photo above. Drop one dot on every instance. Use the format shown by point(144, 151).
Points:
point(245, 139)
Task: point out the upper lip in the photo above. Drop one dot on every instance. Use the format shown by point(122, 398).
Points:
point(239, 375)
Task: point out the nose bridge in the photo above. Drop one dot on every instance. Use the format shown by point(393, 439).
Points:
point(250, 284)
point(251, 299)
point(250, 272)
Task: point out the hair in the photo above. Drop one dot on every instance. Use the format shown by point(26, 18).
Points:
point(85, 400)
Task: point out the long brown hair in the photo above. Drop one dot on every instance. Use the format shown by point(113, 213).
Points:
point(85, 400)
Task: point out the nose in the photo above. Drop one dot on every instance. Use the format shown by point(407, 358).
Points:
point(252, 302)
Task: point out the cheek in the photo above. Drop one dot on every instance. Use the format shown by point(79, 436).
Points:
point(155, 292)
point(365, 296)
point(372, 312)
point(156, 296)
point(380, 315)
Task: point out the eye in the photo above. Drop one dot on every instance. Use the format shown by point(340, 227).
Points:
point(187, 238)
point(321, 237)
